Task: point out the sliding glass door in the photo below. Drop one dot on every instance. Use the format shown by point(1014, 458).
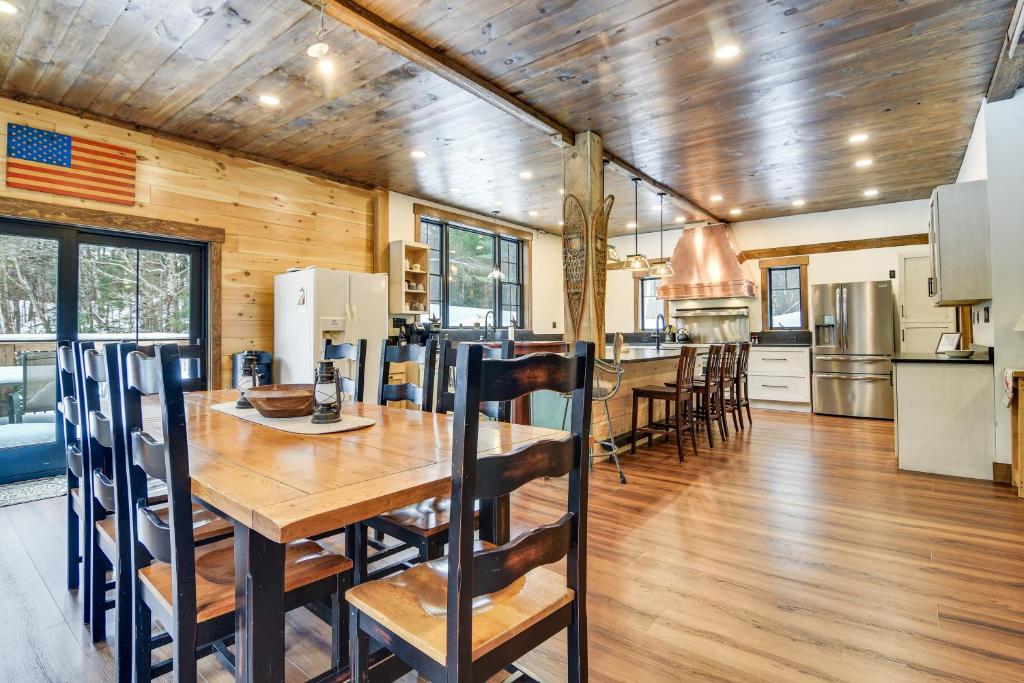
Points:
point(61, 283)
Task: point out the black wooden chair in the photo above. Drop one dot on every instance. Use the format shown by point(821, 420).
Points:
point(424, 525)
point(678, 397)
point(353, 386)
point(69, 409)
point(110, 540)
point(420, 394)
point(191, 590)
point(471, 614)
point(446, 378)
point(193, 359)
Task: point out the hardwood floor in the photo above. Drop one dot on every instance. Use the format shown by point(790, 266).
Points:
point(797, 551)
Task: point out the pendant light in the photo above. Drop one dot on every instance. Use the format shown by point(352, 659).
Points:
point(637, 262)
point(663, 269)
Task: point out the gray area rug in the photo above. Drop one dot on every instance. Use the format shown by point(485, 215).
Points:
point(36, 489)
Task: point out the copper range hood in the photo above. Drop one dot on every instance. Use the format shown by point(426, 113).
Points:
point(706, 266)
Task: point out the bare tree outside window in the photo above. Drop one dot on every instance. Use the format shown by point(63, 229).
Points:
point(784, 303)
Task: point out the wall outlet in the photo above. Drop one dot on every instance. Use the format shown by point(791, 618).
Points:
point(892, 274)
point(986, 314)
point(553, 324)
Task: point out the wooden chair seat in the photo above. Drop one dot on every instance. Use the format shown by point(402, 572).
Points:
point(425, 518)
point(413, 605)
point(306, 562)
point(205, 524)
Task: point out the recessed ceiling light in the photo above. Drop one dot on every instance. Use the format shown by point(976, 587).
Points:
point(326, 66)
point(655, 208)
point(863, 163)
point(499, 203)
point(455, 190)
point(680, 219)
point(561, 190)
point(525, 175)
point(716, 197)
point(630, 225)
point(858, 138)
point(727, 51)
point(871, 193)
point(798, 203)
point(561, 222)
point(269, 100)
point(7, 8)
point(735, 212)
point(417, 154)
point(535, 213)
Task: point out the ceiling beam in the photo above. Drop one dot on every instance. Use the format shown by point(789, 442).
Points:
point(697, 212)
point(367, 23)
point(1008, 75)
point(360, 19)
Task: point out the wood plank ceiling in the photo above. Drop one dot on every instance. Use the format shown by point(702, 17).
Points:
point(762, 130)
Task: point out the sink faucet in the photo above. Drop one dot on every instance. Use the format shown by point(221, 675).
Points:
point(487, 335)
point(659, 327)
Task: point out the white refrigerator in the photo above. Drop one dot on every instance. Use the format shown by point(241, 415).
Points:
point(315, 304)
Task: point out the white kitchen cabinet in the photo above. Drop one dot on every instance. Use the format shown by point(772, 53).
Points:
point(780, 378)
point(944, 418)
point(922, 337)
point(916, 305)
point(958, 237)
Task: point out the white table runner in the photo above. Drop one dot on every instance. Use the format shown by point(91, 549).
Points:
point(295, 425)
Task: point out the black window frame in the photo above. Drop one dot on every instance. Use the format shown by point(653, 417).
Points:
point(640, 300)
point(438, 295)
point(798, 269)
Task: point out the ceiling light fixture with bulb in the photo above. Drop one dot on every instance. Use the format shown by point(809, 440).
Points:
point(663, 269)
point(7, 8)
point(636, 262)
point(319, 49)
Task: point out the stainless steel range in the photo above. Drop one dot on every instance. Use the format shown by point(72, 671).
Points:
point(853, 347)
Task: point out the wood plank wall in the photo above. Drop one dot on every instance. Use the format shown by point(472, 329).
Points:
point(274, 219)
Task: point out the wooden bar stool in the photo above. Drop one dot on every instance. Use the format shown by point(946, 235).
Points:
point(353, 386)
point(709, 394)
point(190, 590)
point(743, 381)
point(730, 357)
point(469, 616)
point(679, 402)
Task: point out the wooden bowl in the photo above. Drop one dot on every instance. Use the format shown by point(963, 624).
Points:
point(282, 400)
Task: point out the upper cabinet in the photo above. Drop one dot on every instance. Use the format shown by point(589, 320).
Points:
point(959, 240)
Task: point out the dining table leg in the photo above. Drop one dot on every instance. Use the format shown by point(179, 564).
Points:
point(259, 607)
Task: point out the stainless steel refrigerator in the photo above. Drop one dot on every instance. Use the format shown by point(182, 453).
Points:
point(853, 347)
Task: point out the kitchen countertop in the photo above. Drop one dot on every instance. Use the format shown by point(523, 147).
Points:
point(638, 354)
point(979, 358)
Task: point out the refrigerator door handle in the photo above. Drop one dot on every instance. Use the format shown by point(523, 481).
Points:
point(839, 318)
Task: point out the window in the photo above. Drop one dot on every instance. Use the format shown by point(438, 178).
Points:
point(649, 306)
point(467, 256)
point(783, 294)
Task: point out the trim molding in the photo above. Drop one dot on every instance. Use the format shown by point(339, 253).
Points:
point(464, 219)
point(26, 209)
point(829, 247)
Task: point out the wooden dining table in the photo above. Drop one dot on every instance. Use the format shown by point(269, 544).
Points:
point(278, 487)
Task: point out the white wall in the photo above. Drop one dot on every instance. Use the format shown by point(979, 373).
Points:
point(546, 310)
point(1005, 160)
point(884, 220)
point(975, 163)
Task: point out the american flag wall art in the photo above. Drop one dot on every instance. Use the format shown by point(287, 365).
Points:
point(45, 161)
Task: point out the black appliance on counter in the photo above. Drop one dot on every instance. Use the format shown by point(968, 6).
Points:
point(416, 332)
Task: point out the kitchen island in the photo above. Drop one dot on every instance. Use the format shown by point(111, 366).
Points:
point(944, 414)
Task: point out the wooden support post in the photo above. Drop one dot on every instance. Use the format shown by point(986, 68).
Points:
point(583, 168)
